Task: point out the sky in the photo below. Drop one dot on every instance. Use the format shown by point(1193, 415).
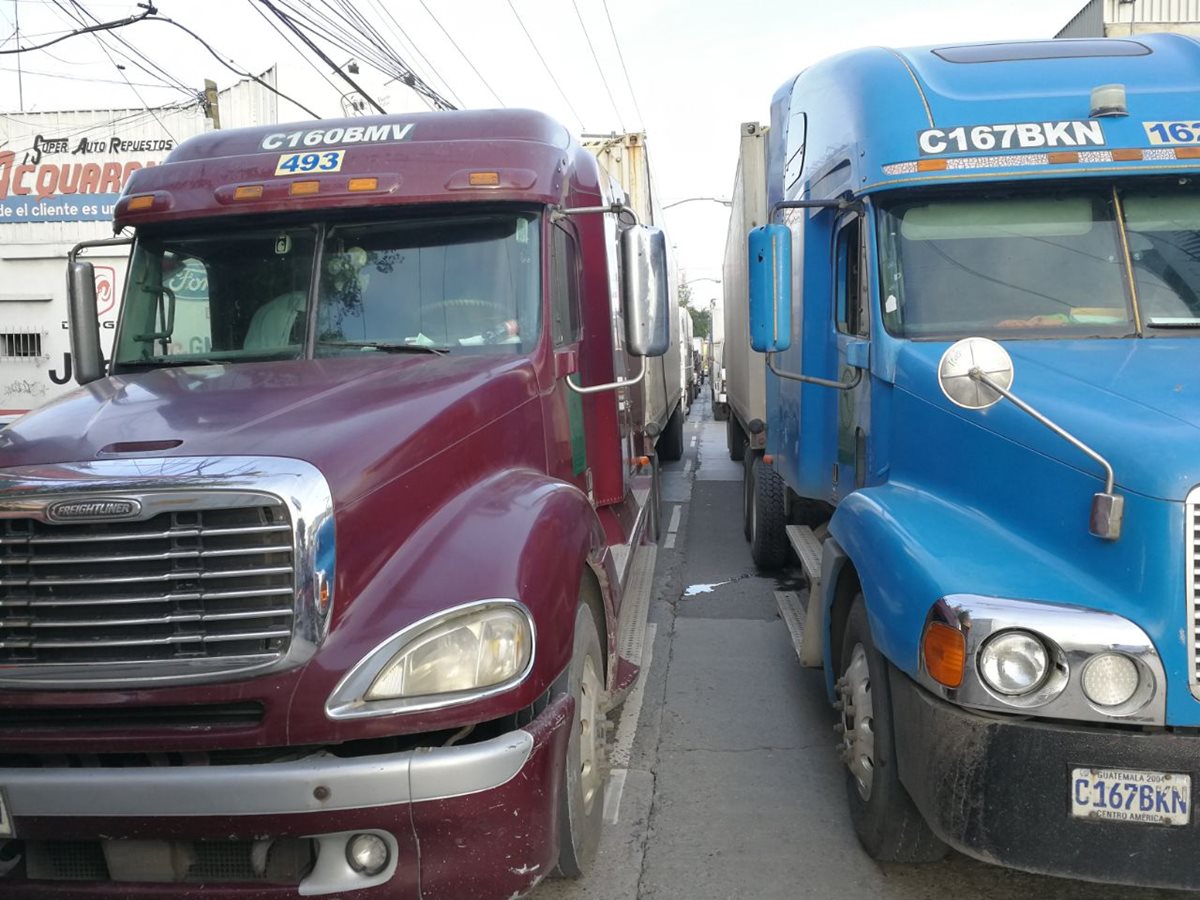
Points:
point(696, 68)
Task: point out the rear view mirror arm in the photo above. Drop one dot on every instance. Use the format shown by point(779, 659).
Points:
point(811, 379)
point(612, 385)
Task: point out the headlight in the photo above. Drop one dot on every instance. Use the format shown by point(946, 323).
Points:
point(471, 651)
point(1110, 679)
point(453, 657)
point(1013, 663)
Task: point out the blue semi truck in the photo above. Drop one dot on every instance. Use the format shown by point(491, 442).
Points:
point(978, 293)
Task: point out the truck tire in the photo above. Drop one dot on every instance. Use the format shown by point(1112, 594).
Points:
point(735, 439)
point(768, 525)
point(670, 442)
point(581, 797)
point(887, 822)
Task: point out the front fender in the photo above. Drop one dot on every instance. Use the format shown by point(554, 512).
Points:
point(516, 534)
point(911, 548)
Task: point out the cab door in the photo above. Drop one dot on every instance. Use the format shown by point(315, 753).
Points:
point(852, 334)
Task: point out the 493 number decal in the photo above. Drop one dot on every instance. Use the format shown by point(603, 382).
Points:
point(301, 163)
point(1173, 132)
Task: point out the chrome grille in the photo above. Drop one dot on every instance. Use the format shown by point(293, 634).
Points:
point(182, 585)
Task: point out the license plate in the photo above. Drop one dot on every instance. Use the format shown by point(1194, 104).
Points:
point(6, 829)
point(1131, 795)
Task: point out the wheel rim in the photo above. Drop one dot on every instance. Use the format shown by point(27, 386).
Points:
point(590, 733)
point(858, 735)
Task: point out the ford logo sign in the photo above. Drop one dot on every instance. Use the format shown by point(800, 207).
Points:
point(92, 510)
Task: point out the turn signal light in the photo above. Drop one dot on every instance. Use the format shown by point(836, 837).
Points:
point(248, 192)
point(304, 188)
point(945, 651)
point(137, 204)
point(483, 179)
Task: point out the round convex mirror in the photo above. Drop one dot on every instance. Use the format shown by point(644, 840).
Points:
point(961, 359)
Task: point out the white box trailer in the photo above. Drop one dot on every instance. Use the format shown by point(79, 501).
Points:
point(659, 407)
point(745, 384)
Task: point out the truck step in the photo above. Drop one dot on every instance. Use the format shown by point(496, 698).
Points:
point(635, 606)
point(791, 610)
point(807, 545)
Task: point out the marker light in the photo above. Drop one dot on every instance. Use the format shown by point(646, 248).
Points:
point(1108, 100)
point(1130, 155)
point(1063, 156)
point(1110, 679)
point(1187, 152)
point(931, 165)
point(484, 179)
point(248, 192)
point(304, 188)
point(945, 651)
point(1014, 663)
point(364, 184)
point(137, 204)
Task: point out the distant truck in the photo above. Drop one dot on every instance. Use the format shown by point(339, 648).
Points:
point(979, 300)
point(661, 406)
point(744, 406)
point(327, 587)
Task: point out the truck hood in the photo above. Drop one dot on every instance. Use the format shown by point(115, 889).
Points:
point(361, 421)
point(1134, 401)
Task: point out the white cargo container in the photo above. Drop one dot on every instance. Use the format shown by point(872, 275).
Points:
point(658, 401)
point(744, 371)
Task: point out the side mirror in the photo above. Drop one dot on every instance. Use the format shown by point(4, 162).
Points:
point(85, 324)
point(770, 277)
point(645, 294)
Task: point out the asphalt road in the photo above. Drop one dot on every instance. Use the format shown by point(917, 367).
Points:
point(725, 781)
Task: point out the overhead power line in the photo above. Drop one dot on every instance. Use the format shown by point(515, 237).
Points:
point(624, 68)
point(279, 31)
point(596, 59)
point(321, 53)
point(466, 58)
point(232, 68)
point(101, 26)
point(400, 32)
point(137, 59)
point(545, 65)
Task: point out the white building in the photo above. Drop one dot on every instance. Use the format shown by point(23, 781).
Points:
point(1122, 18)
point(60, 175)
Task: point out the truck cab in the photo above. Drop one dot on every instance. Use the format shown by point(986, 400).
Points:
point(325, 583)
point(978, 299)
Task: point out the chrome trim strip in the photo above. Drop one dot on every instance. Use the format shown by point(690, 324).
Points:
point(166, 483)
point(279, 788)
point(346, 700)
point(1074, 634)
point(1191, 510)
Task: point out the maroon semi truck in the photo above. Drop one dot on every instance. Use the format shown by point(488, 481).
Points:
point(324, 584)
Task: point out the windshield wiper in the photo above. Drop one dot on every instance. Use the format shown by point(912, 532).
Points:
point(1174, 322)
point(389, 347)
point(170, 361)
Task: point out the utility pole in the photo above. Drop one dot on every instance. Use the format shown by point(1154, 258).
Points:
point(17, 34)
point(212, 106)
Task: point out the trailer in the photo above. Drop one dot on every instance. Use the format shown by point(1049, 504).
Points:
point(659, 405)
point(978, 300)
point(325, 583)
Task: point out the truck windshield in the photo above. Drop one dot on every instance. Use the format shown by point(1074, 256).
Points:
point(1051, 264)
point(464, 284)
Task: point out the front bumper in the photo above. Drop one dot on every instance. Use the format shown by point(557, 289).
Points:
point(483, 816)
point(998, 789)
